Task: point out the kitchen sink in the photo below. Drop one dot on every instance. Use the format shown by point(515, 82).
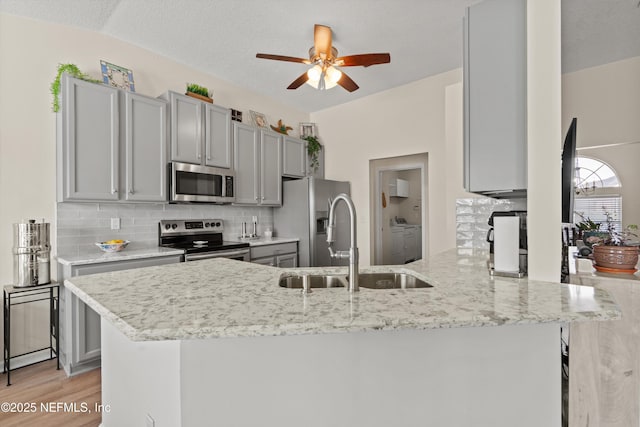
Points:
point(315, 281)
point(390, 281)
point(367, 280)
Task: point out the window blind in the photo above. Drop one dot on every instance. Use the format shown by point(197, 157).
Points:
point(594, 207)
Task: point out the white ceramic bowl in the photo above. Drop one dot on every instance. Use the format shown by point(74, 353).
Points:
point(112, 247)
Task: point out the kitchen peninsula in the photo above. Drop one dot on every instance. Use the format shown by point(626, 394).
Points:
point(218, 342)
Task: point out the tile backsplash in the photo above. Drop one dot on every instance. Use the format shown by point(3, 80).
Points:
point(80, 225)
point(472, 216)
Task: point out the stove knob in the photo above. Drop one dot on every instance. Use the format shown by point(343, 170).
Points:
point(167, 226)
point(174, 226)
point(206, 224)
point(218, 224)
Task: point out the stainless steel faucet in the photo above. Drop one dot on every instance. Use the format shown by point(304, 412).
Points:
point(352, 254)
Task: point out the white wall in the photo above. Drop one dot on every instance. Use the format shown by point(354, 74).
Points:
point(29, 53)
point(606, 101)
point(410, 207)
point(406, 120)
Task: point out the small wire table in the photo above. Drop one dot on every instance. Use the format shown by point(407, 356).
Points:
point(13, 296)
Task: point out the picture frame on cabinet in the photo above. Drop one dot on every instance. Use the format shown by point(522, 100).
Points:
point(117, 76)
point(236, 115)
point(307, 129)
point(259, 119)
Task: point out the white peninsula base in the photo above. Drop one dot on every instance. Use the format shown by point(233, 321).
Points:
point(460, 377)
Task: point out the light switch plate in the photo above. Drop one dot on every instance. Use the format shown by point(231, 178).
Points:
point(115, 223)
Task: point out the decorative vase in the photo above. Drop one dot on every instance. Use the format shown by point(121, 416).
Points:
point(616, 257)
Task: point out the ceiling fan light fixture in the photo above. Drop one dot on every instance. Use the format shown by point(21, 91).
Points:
point(314, 74)
point(330, 80)
point(324, 59)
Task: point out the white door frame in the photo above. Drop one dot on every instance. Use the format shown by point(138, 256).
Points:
point(378, 206)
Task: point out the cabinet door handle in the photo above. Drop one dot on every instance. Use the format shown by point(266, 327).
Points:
point(262, 197)
point(114, 191)
point(131, 190)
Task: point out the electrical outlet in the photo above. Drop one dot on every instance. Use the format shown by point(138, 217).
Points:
point(150, 421)
point(115, 223)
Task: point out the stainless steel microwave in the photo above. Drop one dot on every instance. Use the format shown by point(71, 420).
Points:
point(195, 183)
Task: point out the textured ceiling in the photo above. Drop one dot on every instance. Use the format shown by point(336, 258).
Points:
point(424, 37)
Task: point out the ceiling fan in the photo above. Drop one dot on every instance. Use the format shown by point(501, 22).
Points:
point(324, 58)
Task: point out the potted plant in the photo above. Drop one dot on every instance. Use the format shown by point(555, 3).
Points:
point(198, 92)
point(73, 71)
point(590, 232)
point(313, 148)
point(619, 251)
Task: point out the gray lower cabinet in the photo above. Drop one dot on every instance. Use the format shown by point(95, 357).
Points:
point(258, 166)
point(111, 144)
point(200, 131)
point(294, 156)
point(495, 98)
point(284, 255)
point(79, 324)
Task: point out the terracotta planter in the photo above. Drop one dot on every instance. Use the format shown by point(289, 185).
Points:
point(618, 257)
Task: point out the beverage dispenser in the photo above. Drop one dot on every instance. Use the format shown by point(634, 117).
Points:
point(31, 253)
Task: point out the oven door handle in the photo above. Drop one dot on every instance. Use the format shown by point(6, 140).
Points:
point(224, 254)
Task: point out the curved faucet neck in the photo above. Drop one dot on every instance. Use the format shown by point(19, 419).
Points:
point(353, 250)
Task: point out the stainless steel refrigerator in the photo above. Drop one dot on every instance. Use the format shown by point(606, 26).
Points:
point(305, 214)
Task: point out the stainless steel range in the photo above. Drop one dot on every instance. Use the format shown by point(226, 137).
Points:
point(200, 239)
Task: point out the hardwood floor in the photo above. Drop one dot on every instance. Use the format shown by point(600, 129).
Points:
point(41, 384)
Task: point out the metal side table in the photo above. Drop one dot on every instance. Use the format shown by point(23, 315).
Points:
point(13, 296)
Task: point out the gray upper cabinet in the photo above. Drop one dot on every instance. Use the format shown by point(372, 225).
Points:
point(217, 136)
point(88, 141)
point(145, 145)
point(270, 168)
point(294, 156)
point(245, 146)
point(258, 166)
point(200, 132)
point(111, 144)
point(495, 98)
point(186, 128)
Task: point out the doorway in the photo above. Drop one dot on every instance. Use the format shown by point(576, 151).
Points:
point(398, 195)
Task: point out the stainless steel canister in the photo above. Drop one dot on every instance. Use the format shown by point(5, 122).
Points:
point(31, 253)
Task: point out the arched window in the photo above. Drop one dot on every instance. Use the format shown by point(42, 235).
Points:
point(597, 192)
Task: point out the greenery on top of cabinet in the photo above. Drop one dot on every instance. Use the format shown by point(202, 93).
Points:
point(73, 71)
point(197, 89)
point(313, 148)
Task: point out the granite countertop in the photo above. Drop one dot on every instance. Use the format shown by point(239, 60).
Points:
point(227, 298)
point(93, 255)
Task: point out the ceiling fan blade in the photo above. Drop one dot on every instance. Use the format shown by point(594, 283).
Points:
point(322, 40)
point(347, 83)
point(365, 59)
point(282, 58)
point(299, 81)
